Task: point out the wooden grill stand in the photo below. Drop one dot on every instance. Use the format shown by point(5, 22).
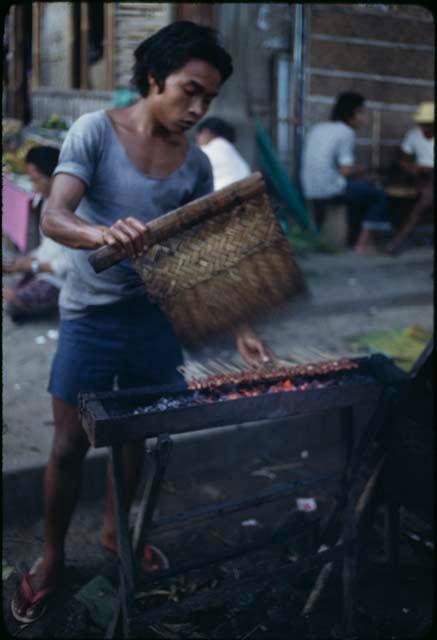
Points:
point(360, 478)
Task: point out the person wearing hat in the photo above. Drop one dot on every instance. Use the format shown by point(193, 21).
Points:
point(417, 160)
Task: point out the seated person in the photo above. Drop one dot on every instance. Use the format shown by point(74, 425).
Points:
point(216, 137)
point(417, 160)
point(36, 293)
point(329, 172)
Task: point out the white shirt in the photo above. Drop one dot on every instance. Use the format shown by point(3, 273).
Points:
point(417, 145)
point(53, 253)
point(328, 145)
point(227, 164)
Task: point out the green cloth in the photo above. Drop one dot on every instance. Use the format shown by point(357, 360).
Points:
point(279, 180)
point(124, 98)
point(98, 596)
point(404, 346)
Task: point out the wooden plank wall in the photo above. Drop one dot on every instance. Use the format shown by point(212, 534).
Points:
point(68, 103)
point(133, 22)
point(386, 53)
point(56, 45)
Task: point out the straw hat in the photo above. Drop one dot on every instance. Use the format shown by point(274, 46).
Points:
point(424, 113)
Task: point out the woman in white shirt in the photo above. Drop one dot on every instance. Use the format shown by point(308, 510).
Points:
point(417, 160)
point(216, 137)
point(36, 293)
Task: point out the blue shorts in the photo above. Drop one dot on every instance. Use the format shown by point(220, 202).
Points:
point(132, 341)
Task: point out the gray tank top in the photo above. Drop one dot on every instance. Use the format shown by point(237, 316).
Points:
point(116, 188)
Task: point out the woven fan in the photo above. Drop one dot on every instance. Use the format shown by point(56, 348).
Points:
point(218, 261)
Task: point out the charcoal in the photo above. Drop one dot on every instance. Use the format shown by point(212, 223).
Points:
point(235, 391)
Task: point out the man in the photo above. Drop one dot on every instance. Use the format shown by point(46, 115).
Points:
point(118, 170)
point(216, 137)
point(417, 160)
point(36, 294)
point(329, 172)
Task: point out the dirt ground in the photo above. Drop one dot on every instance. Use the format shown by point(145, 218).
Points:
point(350, 295)
point(263, 609)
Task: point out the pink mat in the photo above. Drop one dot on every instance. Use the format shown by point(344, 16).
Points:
point(15, 214)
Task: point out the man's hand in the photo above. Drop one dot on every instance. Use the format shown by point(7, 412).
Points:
point(20, 264)
point(130, 234)
point(251, 348)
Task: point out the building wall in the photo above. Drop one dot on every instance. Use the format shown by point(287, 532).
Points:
point(133, 22)
point(56, 45)
point(254, 34)
point(384, 52)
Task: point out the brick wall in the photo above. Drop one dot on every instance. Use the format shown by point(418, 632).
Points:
point(386, 53)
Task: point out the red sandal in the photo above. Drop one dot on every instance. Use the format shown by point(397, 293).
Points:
point(37, 601)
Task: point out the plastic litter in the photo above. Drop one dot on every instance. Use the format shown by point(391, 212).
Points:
point(405, 610)
point(250, 523)
point(306, 504)
point(40, 340)
point(264, 472)
point(304, 454)
point(98, 597)
point(53, 334)
point(7, 570)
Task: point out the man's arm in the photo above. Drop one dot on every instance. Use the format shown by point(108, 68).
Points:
point(352, 170)
point(62, 225)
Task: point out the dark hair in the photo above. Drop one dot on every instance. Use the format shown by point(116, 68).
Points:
point(44, 158)
point(172, 47)
point(346, 105)
point(219, 127)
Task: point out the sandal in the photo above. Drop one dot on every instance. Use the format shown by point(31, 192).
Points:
point(153, 559)
point(37, 601)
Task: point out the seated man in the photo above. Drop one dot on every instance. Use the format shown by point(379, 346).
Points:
point(329, 172)
point(417, 161)
point(216, 137)
point(36, 293)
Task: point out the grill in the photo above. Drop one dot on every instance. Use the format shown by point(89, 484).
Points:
point(360, 391)
point(123, 416)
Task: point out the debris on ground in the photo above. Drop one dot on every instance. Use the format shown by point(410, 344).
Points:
point(403, 345)
point(7, 570)
point(98, 597)
point(306, 504)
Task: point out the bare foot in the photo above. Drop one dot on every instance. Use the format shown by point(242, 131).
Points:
point(108, 539)
point(44, 575)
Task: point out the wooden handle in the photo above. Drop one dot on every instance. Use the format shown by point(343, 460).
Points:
point(106, 257)
point(184, 217)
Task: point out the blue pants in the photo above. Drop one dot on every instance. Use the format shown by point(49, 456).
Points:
point(372, 200)
point(132, 341)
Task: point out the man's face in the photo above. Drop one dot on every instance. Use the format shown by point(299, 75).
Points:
point(356, 120)
point(186, 97)
point(427, 129)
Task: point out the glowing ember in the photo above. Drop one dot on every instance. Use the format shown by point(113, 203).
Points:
point(285, 385)
point(254, 388)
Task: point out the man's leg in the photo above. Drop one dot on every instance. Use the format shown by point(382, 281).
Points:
point(375, 202)
point(425, 202)
point(62, 482)
point(132, 458)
